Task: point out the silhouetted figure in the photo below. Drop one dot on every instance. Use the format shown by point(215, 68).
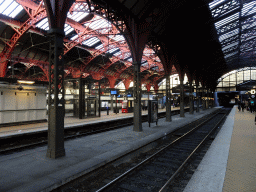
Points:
point(239, 105)
point(242, 106)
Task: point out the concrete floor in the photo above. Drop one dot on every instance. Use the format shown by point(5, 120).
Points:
point(30, 170)
point(229, 165)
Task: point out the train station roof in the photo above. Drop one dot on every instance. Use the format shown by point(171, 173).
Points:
point(204, 39)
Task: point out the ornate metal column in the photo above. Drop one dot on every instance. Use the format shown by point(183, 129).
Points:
point(111, 102)
point(56, 88)
point(203, 100)
point(137, 98)
point(168, 99)
point(182, 112)
point(57, 14)
point(99, 101)
point(81, 99)
point(191, 100)
point(197, 101)
point(207, 100)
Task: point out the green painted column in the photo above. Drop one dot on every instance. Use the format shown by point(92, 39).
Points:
point(182, 111)
point(56, 87)
point(197, 101)
point(137, 122)
point(168, 100)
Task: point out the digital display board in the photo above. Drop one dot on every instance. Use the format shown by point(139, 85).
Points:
point(114, 92)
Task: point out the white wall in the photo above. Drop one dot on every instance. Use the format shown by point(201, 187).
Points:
point(26, 105)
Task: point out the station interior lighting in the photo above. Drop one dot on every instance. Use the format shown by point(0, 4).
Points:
point(25, 82)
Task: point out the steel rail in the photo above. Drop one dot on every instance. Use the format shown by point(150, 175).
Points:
point(164, 188)
point(152, 156)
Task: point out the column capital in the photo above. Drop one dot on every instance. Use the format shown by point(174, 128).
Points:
point(56, 31)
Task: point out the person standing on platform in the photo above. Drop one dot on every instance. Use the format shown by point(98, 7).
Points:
point(246, 106)
point(239, 105)
point(242, 106)
point(252, 106)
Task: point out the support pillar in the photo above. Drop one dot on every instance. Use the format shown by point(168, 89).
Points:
point(168, 100)
point(56, 87)
point(112, 108)
point(207, 100)
point(191, 100)
point(137, 122)
point(81, 99)
point(182, 112)
point(197, 101)
point(99, 101)
point(203, 100)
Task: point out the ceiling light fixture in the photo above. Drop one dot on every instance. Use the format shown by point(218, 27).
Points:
point(25, 82)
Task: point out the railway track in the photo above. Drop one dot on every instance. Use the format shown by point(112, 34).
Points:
point(31, 140)
point(159, 170)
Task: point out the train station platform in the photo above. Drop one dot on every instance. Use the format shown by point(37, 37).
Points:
point(69, 121)
point(229, 164)
point(30, 170)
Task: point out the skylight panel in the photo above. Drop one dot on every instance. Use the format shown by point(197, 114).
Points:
point(112, 50)
point(246, 8)
point(10, 8)
point(16, 11)
point(117, 37)
point(42, 22)
point(91, 41)
point(249, 25)
point(100, 23)
point(99, 46)
point(45, 26)
point(77, 16)
point(228, 46)
point(68, 29)
point(144, 64)
point(118, 53)
point(215, 3)
point(227, 35)
point(4, 5)
point(227, 20)
point(130, 60)
point(73, 37)
point(231, 54)
point(81, 16)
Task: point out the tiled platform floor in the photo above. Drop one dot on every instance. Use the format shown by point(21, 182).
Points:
point(230, 163)
point(241, 167)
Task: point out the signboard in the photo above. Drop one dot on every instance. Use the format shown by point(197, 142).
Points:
point(152, 111)
point(113, 92)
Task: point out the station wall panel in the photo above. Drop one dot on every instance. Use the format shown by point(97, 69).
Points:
point(32, 115)
point(22, 100)
point(9, 100)
point(8, 117)
point(22, 105)
point(21, 116)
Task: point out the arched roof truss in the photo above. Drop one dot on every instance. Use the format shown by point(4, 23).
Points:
point(235, 22)
point(85, 26)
